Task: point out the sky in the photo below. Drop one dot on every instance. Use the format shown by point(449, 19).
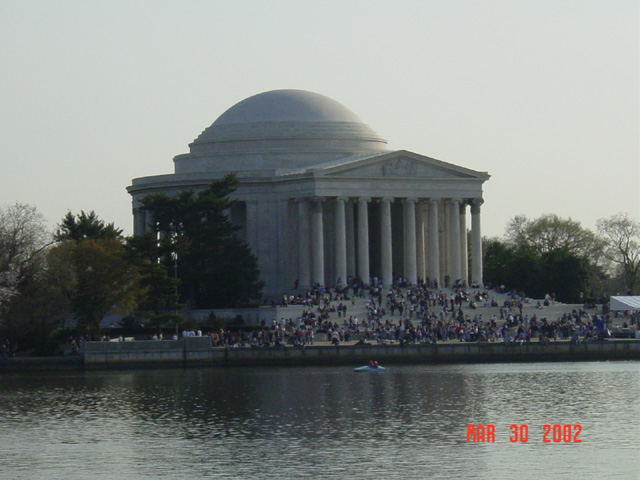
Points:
point(541, 94)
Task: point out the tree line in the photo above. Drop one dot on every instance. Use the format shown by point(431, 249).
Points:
point(87, 269)
point(192, 259)
point(557, 256)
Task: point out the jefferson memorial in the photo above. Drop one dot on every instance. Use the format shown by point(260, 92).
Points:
point(322, 199)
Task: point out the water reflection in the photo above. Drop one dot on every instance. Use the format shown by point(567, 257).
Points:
point(409, 422)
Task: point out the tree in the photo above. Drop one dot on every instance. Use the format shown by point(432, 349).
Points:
point(87, 274)
point(550, 233)
point(30, 312)
point(215, 269)
point(497, 257)
point(102, 279)
point(85, 225)
point(566, 275)
point(34, 316)
point(621, 236)
point(545, 255)
point(524, 273)
point(23, 241)
point(161, 289)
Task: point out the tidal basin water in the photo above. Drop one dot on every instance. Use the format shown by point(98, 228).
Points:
point(410, 422)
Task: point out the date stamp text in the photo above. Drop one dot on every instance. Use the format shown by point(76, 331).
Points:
point(520, 433)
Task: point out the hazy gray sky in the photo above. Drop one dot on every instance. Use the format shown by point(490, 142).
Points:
point(541, 94)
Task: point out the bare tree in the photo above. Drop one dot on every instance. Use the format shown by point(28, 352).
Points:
point(23, 238)
point(622, 237)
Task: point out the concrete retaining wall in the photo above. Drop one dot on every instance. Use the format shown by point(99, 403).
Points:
point(198, 351)
point(443, 353)
point(190, 351)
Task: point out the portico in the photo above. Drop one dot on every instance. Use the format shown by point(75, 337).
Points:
point(421, 254)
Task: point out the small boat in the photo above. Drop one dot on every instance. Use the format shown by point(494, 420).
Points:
point(369, 368)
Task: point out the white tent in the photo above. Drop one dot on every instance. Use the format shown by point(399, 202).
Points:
point(625, 303)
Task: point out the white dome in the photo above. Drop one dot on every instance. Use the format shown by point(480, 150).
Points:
point(279, 129)
point(287, 106)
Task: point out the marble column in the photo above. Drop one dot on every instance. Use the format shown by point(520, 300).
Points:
point(304, 267)
point(456, 271)
point(410, 260)
point(341, 242)
point(351, 240)
point(286, 249)
point(464, 250)
point(363, 240)
point(476, 243)
point(139, 221)
point(444, 219)
point(252, 226)
point(150, 222)
point(317, 242)
point(420, 241)
point(434, 244)
point(386, 251)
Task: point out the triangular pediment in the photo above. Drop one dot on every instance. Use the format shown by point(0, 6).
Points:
point(398, 164)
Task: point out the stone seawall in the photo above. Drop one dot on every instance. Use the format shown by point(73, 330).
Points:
point(186, 352)
point(192, 352)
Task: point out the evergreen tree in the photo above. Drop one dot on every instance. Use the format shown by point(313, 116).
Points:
point(198, 243)
point(85, 225)
point(102, 277)
point(160, 286)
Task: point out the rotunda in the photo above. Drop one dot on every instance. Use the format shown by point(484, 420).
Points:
point(322, 199)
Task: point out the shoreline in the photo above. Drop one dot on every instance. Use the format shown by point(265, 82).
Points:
point(189, 354)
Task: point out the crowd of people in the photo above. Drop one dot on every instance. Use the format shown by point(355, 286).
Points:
point(417, 314)
point(405, 314)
